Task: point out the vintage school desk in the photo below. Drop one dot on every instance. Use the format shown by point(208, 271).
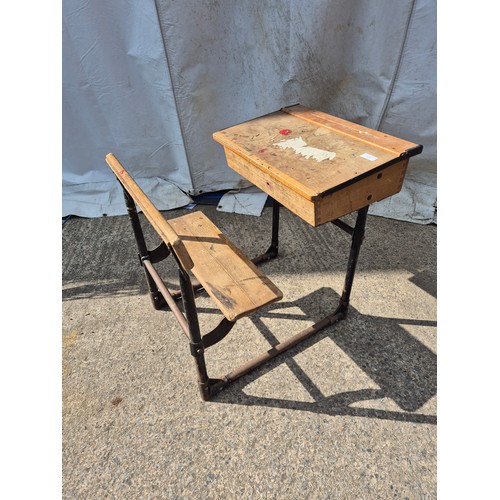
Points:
point(318, 166)
point(321, 168)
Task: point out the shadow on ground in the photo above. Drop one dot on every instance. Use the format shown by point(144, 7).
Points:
point(135, 426)
point(403, 368)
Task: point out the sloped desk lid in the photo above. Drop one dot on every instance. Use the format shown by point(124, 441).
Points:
point(312, 152)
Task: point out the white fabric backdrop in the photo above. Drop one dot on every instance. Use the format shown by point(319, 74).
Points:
point(152, 81)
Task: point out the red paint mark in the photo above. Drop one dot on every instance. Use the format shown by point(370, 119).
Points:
point(262, 150)
point(285, 131)
point(122, 172)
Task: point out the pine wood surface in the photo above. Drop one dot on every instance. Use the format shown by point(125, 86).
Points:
point(235, 284)
point(355, 131)
point(258, 141)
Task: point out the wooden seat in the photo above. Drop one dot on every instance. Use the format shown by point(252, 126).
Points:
point(235, 284)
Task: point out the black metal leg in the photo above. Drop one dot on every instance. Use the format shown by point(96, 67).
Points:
point(357, 240)
point(156, 296)
point(272, 251)
point(338, 315)
point(357, 233)
point(209, 387)
point(275, 229)
point(196, 341)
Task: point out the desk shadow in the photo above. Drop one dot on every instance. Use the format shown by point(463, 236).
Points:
point(426, 280)
point(404, 369)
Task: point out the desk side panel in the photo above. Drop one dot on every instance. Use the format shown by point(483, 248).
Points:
point(287, 197)
point(374, 188)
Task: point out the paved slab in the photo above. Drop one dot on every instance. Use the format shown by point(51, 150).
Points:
point(349, 414)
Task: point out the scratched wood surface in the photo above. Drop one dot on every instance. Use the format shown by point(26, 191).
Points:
point(333, 153)
point(355, 131)
point(373, 188)
point(235, 284)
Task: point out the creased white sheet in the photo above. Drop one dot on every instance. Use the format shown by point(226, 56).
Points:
point(248, 201)
point(152, 81)
point(106, 198)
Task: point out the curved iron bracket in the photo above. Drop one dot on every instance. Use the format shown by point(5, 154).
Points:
point(159, 253)
point(218, 333)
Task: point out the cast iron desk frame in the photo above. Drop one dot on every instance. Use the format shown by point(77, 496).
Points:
point(161, 297)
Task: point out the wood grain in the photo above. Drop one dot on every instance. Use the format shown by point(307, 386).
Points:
point(332, 206)
point(318, 166)
point(289, 198)
point(353, 130)
point(374, 188)
point(235, 284)
point(259, 142)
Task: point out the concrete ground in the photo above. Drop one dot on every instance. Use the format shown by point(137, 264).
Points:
point(348, 414)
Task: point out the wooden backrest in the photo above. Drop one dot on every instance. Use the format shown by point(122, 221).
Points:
point(162, 227)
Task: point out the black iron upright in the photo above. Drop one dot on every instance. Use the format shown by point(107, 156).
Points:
point(357, 235)
point(357, 239)
point(156, 296)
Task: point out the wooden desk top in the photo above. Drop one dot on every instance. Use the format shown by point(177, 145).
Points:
point(313, 153)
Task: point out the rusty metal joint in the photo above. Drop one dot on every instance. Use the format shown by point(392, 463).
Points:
point(197, 348)
point(342, 308)
point(272, 251)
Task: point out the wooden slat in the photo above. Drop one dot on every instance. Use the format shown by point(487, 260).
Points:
point(235, 284)
point(162, 227)
point(355, 131)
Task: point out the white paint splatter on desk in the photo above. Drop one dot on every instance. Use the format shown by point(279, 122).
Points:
point(300, 146)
